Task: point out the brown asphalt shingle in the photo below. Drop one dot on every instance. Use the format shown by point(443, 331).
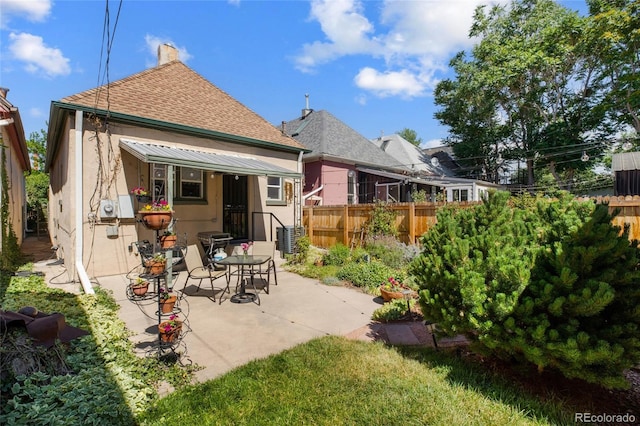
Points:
point(176, 94)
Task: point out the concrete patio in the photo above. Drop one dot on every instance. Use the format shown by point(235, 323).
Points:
point(220, 337)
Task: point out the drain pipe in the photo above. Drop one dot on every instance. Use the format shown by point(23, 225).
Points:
point(82, 273)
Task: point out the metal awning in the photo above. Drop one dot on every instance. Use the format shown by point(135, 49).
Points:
point(625, 161)
point(162, 154)
point(398, 176)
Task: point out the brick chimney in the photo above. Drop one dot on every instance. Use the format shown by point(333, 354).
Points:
point(167, 53)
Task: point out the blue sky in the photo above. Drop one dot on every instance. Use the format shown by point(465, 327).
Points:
point(372, 64)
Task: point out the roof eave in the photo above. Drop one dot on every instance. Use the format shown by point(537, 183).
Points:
point(57, 106)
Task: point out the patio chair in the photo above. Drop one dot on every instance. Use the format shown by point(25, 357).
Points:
point(198, 271)
point(265, 248)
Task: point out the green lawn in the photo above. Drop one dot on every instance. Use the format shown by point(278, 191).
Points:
point(332, 380)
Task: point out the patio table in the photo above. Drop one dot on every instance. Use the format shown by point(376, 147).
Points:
point(245, 271)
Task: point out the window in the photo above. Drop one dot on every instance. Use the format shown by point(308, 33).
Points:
point(464, 195)
point(159, 181)
point(274, 188)
point(191, 185)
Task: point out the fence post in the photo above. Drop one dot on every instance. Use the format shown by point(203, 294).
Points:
point(412, 223)
point(310, 226)
point(345, 222)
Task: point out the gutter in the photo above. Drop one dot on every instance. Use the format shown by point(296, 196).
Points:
point(82, 273)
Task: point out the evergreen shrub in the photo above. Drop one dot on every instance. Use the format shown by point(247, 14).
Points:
point(556, 286)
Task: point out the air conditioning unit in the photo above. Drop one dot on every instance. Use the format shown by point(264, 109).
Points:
point(108, 209)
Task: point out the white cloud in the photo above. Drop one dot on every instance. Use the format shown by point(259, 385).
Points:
point(152, 43)
point(32, 10)
point(346, 29)
point(38, 58)
point(431, 143)
point(416, 39)
point(36, 112)
point(390, 83)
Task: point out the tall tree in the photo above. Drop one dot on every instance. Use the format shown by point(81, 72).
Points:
point(613, 35)
point(410, 135)
point(525, 92)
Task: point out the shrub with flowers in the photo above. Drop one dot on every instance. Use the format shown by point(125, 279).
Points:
point(245, 247)
point(138, 190)
point(157, 206)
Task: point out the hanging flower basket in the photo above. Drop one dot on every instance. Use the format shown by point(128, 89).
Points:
point(156, 219)
point(155, 266)
point(168, 241)
point(167, 305)
point(139, 287)
point(169, 330)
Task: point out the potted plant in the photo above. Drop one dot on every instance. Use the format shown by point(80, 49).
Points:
point(393, 289)
point(156, 215)
point(170, 329)
point(139, 286)
point(168, 239)
point(141, 194)
point(157, 264)
point(167, 300)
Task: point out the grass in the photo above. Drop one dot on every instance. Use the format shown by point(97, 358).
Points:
point(333, 380)
point(326, 381)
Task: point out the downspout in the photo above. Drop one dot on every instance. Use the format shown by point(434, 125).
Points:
point(298, 211)
point(82, 273)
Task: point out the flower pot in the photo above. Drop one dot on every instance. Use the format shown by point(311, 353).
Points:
point(169, 334)
point(156, 219)
point(140, 289)
point(168, 241)
point(155, 267)
point(388, 295)
point(166, 305)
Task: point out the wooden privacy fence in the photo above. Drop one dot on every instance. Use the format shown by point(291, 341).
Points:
point(328, 225)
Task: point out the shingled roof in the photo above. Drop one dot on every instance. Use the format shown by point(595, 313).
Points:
point(325, 135)
point(174, 93)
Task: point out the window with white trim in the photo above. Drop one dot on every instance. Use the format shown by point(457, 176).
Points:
point(274, 188)
point(191, 183)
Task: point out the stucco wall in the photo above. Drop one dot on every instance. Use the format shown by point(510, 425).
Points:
point(16, 189)
point(110, 173)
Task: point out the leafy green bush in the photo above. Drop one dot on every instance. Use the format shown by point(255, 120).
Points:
point(393, 253)
point(555, 286)
point(382, 220)
point(337, 255)
point(392, 310)
point(302, 250)
point(366, 275)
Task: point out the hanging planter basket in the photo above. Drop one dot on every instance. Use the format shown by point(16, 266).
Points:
point(140, 289)
point(167, 305)
point(169, 334)
point(155, 267)
point(168, 241)
point(156, 219)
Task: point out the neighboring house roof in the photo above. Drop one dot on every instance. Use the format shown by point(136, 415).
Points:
point(175, 97)
point(410, 155)
point(625, 161)
point(444, 154)
point(330, 138)
point(13, 123)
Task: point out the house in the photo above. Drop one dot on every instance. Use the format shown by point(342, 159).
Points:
point(220, 166)
point(455, 188)
point(626, 171)
point(343, 166)
point(13, 164)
